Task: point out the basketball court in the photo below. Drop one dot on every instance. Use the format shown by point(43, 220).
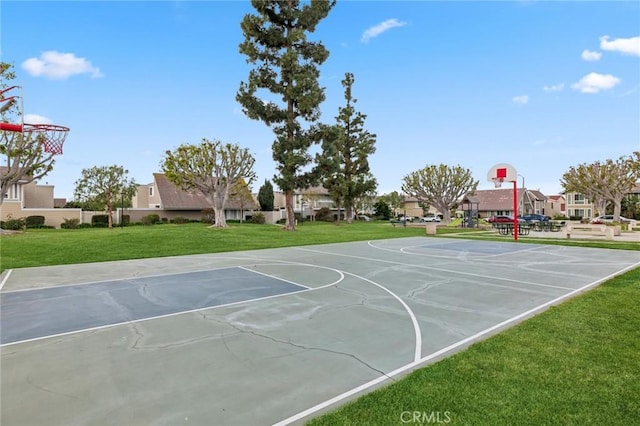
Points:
point(264, 337)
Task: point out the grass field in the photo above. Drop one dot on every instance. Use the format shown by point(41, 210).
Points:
point(68, 246)
point(575, 364)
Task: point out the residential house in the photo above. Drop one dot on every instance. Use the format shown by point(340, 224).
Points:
point(167, 200)
point(497, 202)
point(26, 199)
point(578, 205)
point(307, 202)
point(556, 205)
point(411, 207)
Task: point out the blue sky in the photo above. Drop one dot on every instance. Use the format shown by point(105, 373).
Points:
point(540, 85)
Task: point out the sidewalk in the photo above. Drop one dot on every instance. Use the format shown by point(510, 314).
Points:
point(630, 236)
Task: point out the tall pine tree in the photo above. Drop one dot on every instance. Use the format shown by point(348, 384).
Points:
point(286, 65)
point(344, 162)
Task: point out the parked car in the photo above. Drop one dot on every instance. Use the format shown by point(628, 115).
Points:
point(535, 218)
point(608, 218)
point(405, 219)
point(364, 217)
point(502, 219)
point(430, 219)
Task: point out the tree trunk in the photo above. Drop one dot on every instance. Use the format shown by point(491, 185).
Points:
point(617, 208)
point(290, 225)
point(109, 216)
point(601, 206)
point(220, 220)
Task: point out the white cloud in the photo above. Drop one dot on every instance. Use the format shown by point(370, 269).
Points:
point(37, 119)
point(521, 100)
point(554, 88)
point(626, 46)
point(59, 66)
point(382, 27)
point(590, 56)
point(594, 83)
point(554, 140)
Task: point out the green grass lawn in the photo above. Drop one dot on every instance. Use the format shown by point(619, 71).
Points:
point(575, 364)
point(67, 246)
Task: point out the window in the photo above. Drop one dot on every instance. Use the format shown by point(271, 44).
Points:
point(580, 212)
point(151, 191)
point(580, 199)
point(13, 192)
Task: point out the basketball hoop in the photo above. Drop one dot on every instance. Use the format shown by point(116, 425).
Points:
point(500, 173)
point(51, 136)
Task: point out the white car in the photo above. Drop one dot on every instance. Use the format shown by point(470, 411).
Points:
point(608, 218)
point(430, 219)
point(405, 219)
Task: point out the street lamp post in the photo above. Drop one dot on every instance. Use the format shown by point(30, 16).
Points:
point(522, 205)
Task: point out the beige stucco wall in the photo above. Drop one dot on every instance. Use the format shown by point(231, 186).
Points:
point(142, 199)
point(53, 217)
point(553, 207)
point(38, 196)
point(10, 210)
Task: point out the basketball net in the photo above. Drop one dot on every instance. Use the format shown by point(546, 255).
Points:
point(498, 182)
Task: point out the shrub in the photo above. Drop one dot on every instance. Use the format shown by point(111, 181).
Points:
point(13, 224)
point(84, 225)
point(72, 223)
point(258, 218)
point(100, 221)
point(34, 221)
point(324, 215)
point(150, 219)
point(180, 220)
point(208, 216)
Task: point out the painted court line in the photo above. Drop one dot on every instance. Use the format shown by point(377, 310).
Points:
point(445, 350)
point(303, 290)
point(450, 271)
point(6, 277)
point(272, 276)
point(172, 314)
point(135, 277)
point(414, 320)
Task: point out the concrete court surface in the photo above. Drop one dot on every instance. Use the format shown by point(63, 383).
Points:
point(263, 337)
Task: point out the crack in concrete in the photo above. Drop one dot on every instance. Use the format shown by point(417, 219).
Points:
point(138, 333)
point(42, 388)
point(333, 307)
point(312, 348)
point(427, 286)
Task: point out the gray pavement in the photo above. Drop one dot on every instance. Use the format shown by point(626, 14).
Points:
point(337, 320)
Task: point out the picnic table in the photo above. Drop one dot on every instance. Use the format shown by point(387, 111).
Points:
point(506, 228)
point(548, 225)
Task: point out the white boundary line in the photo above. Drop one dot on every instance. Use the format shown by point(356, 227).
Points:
point(414, 320)
point(273, 277)
point(445, 350)
point(135, 277)
point(6, 278)
point(303, 290)
point(450, 271)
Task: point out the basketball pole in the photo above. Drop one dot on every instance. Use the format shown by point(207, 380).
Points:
point(515, 210)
